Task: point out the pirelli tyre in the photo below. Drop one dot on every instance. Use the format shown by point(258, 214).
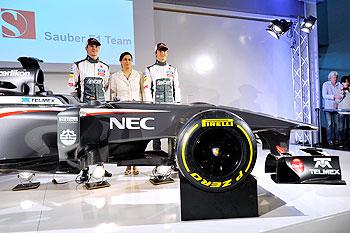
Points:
point(216, 151)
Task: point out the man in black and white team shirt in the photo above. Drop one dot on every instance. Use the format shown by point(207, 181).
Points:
point(161, 82)
point(88, 78)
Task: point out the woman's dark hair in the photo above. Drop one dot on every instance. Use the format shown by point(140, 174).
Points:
point(344, 78)
point(123, 55)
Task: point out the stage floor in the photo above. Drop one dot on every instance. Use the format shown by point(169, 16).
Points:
point(133, 204)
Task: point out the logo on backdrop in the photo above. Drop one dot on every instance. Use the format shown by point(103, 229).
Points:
point(17, 24)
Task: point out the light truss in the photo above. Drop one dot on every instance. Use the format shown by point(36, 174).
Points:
point(303, 106)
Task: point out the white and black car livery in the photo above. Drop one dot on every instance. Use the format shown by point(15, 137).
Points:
point(215, 145)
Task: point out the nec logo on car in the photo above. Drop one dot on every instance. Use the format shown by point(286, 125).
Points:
point(17, 24)
point(131, 123)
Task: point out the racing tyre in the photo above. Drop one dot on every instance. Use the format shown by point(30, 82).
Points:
point(216, 151)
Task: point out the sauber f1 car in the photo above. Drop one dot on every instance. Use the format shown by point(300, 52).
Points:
point(215, 146)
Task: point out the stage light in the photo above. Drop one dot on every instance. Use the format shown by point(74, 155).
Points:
point(278, 27)
point(308, 24)
point(99, 172)
point(272, 32)
point(161, 175)
point(98, 175)
point(26, 183)
point(203, 64)
point(163, 170)
point(25, 176)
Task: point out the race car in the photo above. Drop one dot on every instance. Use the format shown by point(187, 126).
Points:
point(215, 147)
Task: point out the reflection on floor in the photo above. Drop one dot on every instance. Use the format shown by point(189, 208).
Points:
point(133, 204)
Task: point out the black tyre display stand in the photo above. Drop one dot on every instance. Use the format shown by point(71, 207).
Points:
point(199, 205)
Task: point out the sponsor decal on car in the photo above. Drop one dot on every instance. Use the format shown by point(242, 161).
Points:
point(67, 119)
point(217, 122)
point(37, 100)
point(212, 184)
point(68, 137)
point(297, 165)
point(131, 123)
point(14, 73)
point(30, 100)
point(324, 167)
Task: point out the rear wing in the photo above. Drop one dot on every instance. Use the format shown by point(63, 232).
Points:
point(27, 80)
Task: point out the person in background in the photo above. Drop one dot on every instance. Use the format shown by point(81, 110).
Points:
point(89, 77)
point(161, 83)
point(344, 104)
point(126, 85)
point(331, 93)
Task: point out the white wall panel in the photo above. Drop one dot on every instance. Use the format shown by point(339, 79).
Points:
point(228, 61)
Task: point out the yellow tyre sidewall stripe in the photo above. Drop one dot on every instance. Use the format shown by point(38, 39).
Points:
point(250, 146)
point(184, 143)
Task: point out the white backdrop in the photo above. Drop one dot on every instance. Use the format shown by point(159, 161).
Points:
point(228, 61)
point(221, 59)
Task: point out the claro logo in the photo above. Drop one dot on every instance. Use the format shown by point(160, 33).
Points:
point(17, 24)
point(298, 165)
point(131, 123)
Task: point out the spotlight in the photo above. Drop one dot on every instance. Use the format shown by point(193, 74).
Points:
point(272, 32)
point(278, 27)
point(308, 24)
point(25, 179)
point(161, 175)
point(98, 174)
point(25, 176)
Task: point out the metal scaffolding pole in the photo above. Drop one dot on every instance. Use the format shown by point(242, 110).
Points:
point(301, 81)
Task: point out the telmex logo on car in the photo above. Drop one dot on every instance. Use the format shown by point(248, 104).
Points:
point(14, 73)
point(131, 123)
point(217, 122)
point(37, 100)
point(323, 163)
